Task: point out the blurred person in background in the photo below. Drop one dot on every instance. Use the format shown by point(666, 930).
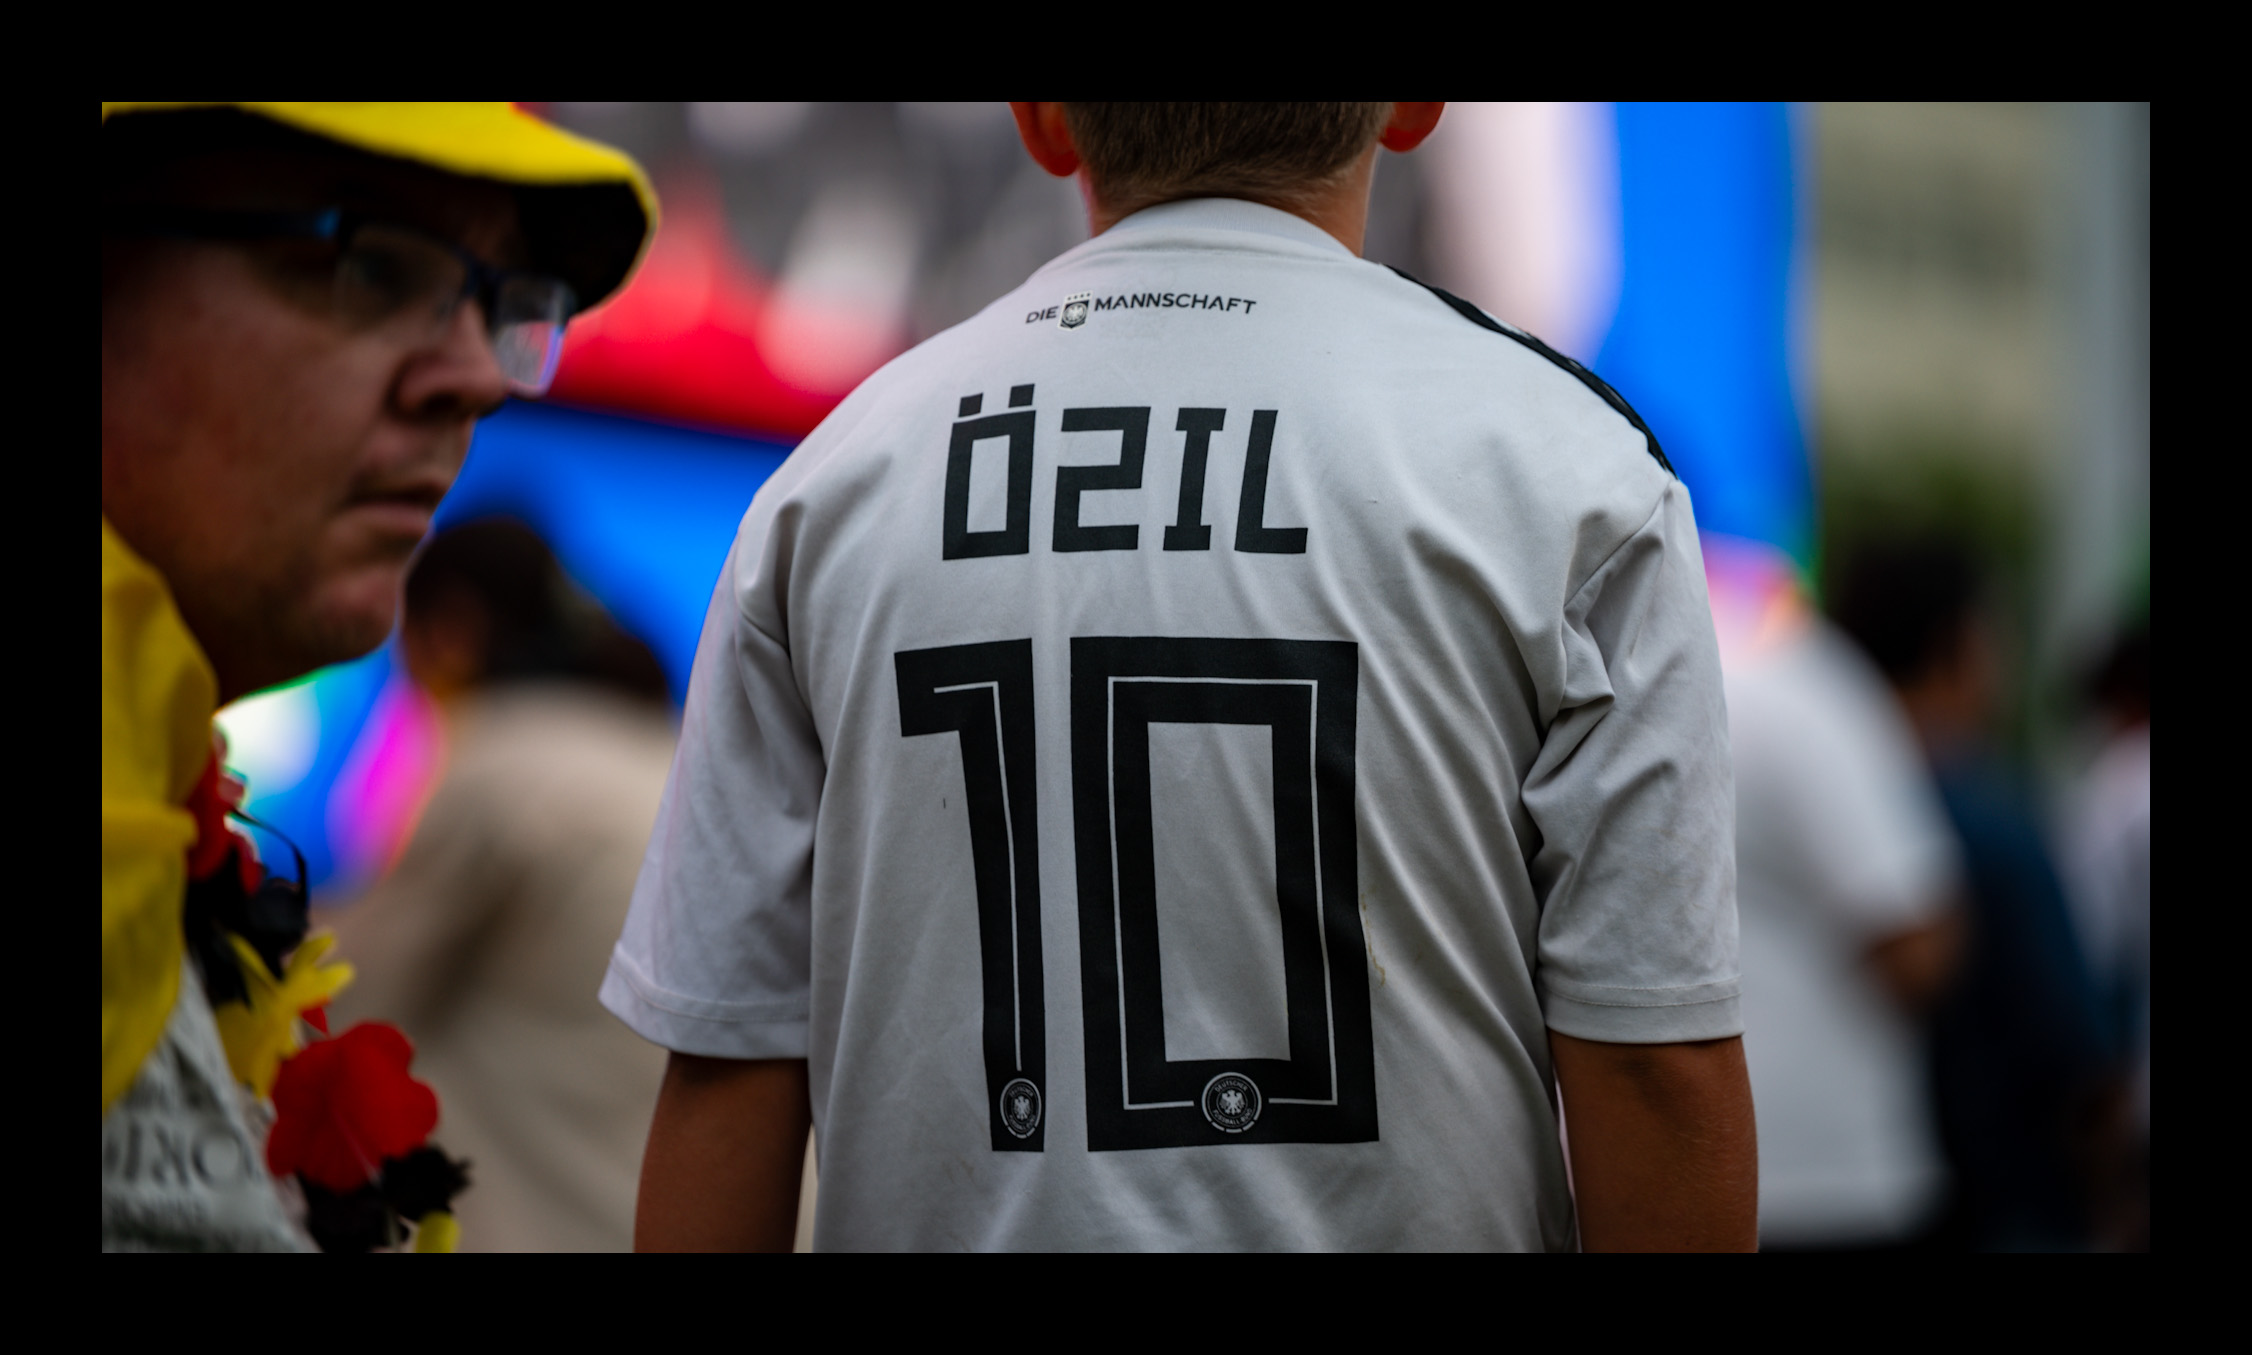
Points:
point(907, 883)
point(2107, 864)
point(1846, 877)
point(486, 942)
point(305, 309)
point(2021, 1052)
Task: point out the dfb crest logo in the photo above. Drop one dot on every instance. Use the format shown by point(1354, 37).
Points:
point(1020, 1108)
point(1232, 1103)
point(1075, 310)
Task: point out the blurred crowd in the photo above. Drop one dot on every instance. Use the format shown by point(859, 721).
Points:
point(1946, 979)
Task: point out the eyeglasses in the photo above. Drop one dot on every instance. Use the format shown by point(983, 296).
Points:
point(388, 274)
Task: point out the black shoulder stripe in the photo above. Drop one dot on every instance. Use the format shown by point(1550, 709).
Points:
point(1587, 378)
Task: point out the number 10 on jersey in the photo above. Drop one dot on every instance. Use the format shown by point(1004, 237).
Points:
point(1304, 692)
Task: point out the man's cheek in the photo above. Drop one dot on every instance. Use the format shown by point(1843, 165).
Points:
point(454, 454)
point(359, 602)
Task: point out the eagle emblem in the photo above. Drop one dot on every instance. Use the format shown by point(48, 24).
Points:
point(1020, 1108)
point(1232, 1103)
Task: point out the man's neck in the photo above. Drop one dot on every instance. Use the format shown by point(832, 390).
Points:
point(1340, 208)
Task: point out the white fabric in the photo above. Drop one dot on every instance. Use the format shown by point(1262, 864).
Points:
point(183, 1168)
point(2108, 865)
point(1840, 844)
point(1504, 697)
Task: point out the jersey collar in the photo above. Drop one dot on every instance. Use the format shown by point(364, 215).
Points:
point(1226, 214)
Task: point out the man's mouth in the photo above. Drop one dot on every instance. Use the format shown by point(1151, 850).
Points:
point(401, 509)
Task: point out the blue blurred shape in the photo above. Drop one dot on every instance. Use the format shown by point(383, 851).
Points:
point(1703, 343)
point(640, 514)
point(344, 695)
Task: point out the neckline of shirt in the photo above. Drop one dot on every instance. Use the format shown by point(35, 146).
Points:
point(1207, 214)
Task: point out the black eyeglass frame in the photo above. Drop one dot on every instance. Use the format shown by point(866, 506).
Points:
point(481, 281)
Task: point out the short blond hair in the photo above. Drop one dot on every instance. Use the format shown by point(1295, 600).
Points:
point(1137, 154)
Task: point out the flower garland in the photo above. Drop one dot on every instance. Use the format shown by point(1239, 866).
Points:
point(349, 1121)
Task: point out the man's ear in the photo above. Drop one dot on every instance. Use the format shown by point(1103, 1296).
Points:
point(1049, 140)
point(1409, 125)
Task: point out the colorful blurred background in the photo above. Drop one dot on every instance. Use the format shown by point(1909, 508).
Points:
point(1842, 320)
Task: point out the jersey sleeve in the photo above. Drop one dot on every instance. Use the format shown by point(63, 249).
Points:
point(715, 958)
point(1634, 798)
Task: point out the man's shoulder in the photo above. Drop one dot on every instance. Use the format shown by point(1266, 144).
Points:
point(1522, 348)
point(903, 388)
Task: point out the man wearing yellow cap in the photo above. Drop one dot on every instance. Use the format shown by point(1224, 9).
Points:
point(305, 308)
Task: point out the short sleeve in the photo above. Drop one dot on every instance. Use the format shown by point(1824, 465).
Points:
point(715, 958)
point(1634, 799)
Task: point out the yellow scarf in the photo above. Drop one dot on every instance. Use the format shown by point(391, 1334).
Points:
point(158, 696)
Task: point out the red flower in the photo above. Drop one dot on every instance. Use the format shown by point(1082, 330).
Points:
point(343, 1105)
point(215, 796)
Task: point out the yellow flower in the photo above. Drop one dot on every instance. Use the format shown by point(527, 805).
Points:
point(437, 1231)
point(262, 1031)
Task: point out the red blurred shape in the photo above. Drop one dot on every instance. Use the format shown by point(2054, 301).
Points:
point(215, 796)
point(699, 336)
point(342, 1106)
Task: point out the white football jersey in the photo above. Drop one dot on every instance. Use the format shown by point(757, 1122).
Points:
point(1168, 749)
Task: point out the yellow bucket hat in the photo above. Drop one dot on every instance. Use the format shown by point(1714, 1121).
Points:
point(588, 210)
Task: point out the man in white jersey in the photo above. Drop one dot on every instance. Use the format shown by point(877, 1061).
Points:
point(1195, 756)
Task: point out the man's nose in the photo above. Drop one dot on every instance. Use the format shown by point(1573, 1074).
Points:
point(456, 374)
